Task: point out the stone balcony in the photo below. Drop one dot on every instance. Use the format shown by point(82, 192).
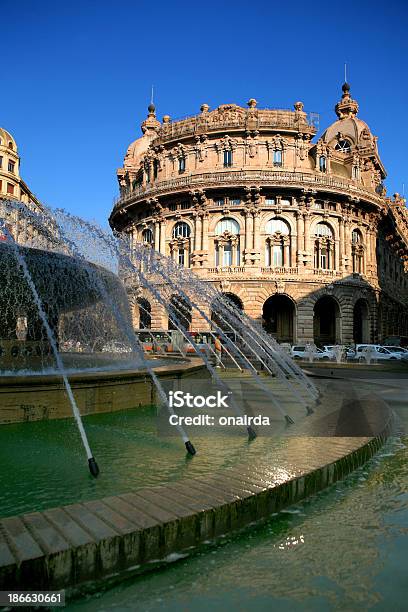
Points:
point(230, 117)
point(290, 273)
point(247, 177)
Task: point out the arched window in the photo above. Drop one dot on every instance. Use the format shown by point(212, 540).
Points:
point(357, 251)
point(322, 229)
point(356, 237)
point(277, 225)
point(180, 247)
point(179, 313)
point(277, 245)
point(277, 157)
point(227, 225)
point(227, 251)
point(181, 230)
point(343, 145)
point(322, 163)
point(10, 145)
point(145, 317)
point(324, 247)
point(148, 236)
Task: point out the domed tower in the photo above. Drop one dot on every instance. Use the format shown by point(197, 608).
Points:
point(286, 226)
point(134, 162)
point(350, 147)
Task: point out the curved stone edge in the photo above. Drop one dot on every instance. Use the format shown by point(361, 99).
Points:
point(37, 398)
point(80, 545)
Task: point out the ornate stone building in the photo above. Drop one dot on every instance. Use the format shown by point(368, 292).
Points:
point(12, 187)
point(298, 232)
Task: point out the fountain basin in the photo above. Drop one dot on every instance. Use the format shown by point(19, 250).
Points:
point(81, 544)
point(42, 396)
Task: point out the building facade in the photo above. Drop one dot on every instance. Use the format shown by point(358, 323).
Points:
point(13, 188)
point(296, 230)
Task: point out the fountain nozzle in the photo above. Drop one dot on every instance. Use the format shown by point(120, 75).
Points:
point(251, 433)
point(93, 467)
point(190, 448)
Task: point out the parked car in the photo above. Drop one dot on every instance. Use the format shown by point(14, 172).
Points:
point(330, 348)
point(375, 352)
point(116, 347)
point(399, 350)
point(302, 352)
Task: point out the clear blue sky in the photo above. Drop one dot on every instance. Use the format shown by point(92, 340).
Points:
point(78, 74)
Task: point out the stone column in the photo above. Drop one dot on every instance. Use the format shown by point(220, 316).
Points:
point(162, 239)
point(336, 247)
point(299, 238)
point(347, 247)
point(307, 240)
point(205, 233)
point(341, 244)
point(246, 236)
point(286, 258)
point(249, 225)
point(257, 232)
point(367, 253)
point(157, 235)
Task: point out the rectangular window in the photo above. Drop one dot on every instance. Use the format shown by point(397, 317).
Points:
point(227, 255)
point(219, 202)
point(182, 164)
point(277, 158)
point(185, 205)
point(10, 188)
point(1, 186)
point(172, 206)
point(181, 257)
point(11, 165)
point(235, 201)
point(1, 161)
point(277, 256)
point(269, 201)
point(322, 163)
point(155, 168)
point(323, 259)
point(227, 159)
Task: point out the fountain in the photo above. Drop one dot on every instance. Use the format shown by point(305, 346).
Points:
point(72, 298)
point(68, 349)
point(338, 352)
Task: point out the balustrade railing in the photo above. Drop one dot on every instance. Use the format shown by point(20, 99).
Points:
point(319, 272)
point(243, 176)
point(280, 270)
point(227, 270)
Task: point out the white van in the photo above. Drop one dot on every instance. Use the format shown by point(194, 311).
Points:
point(375, 352)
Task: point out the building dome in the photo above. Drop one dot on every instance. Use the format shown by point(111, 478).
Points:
point(136, 150)
point(6, 138)
point(351, 128)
